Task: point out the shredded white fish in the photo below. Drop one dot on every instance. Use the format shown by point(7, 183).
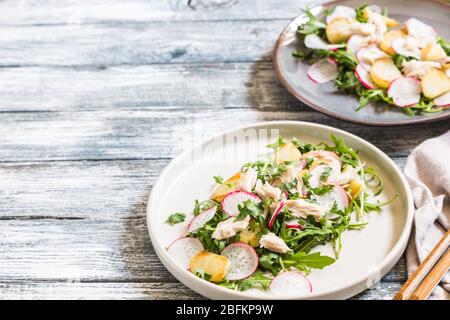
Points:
point(267, 190)
point(248, 180)
point(228, 228)
point(273, 243)
point(302, 209)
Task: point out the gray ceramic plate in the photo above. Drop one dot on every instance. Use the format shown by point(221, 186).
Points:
point(323, 97)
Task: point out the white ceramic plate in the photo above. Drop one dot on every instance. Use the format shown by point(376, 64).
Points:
point(367, 255)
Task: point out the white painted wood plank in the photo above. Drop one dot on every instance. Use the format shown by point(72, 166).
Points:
point(137, 44)
point(161, 133)
point(116, 291)
point(232, 85)
point(20, 12)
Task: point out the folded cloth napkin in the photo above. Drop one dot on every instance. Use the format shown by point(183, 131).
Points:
point(428, 172)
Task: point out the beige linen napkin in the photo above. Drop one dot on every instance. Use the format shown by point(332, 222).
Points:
point(428, 172)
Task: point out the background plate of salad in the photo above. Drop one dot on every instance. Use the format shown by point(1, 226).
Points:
point(342, 85)
point(250, 238)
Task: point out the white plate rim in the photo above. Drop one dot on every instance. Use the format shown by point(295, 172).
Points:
point(210, 290)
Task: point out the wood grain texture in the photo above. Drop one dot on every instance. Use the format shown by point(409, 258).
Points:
point(229, 85)
point(103, 45)
point(12, 12)
point(135, 290)
point(160, 132)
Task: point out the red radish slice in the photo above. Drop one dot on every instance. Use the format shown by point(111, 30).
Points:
point(235, 198)
point(408, 47)
point(275, 214)
point(183, 249)
point(405, 91)
point(323, 71)
point(341, 12)
point(293, 224)
point(367, 55)
point(337, 195)
point(443, 100)
point(313, 41)
point(418, 29)
point(355, 43)
point(289, 283)
point(243, 260)
point(201, 219)
point(315, 174)
point(364, 77)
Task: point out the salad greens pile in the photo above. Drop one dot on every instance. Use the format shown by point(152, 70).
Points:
point(347, 80)
point(312, 233)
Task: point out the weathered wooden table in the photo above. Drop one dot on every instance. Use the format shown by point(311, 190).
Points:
point(96, 98)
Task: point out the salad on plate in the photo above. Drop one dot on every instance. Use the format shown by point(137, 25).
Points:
point(377, 58)
point(262, 226)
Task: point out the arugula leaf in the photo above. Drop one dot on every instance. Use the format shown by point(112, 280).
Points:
point(200, 206)
point(277, 144)
point(444, 44)
point(270, 261)
point(306, 262)
point(360, 16)
point(375, 95)
point(325, 174)
point(303, 147)
point(313, 25)
point(176, 218)
point(218, 179)
point(202, 274)
point(255, 280)
point(248, 208)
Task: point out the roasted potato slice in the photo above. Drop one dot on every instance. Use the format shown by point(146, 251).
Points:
point(226, 187)
point(214, 265)
point(384, 72)
point(432, 52)
point(287, 152)
point(435, 83)
point(337, 31)
point(386, 42)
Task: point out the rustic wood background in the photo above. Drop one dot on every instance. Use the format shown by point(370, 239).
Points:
point(95, 99)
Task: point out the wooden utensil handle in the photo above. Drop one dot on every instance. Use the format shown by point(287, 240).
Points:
point(433, 278)
point(416, 278)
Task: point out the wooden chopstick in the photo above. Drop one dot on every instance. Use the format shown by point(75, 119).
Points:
point(416, 278)
point(433, 278)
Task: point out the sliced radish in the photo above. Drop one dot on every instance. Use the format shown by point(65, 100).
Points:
point(182, 250)
point(364, 77)
point(375, 8)
point(293, 224)
point(408, 47)
point(337, 195)
point(342, 12)
point(367, 55)
point(443, 100)
point(323, 71)
point(243, 260)
point(289, 283)
point(313, 41)
point(315, 175)
point(405, 91)
point(418, 29)
point(355, 43)
point(233, 199)
point(201, 219)
point(278, 209)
